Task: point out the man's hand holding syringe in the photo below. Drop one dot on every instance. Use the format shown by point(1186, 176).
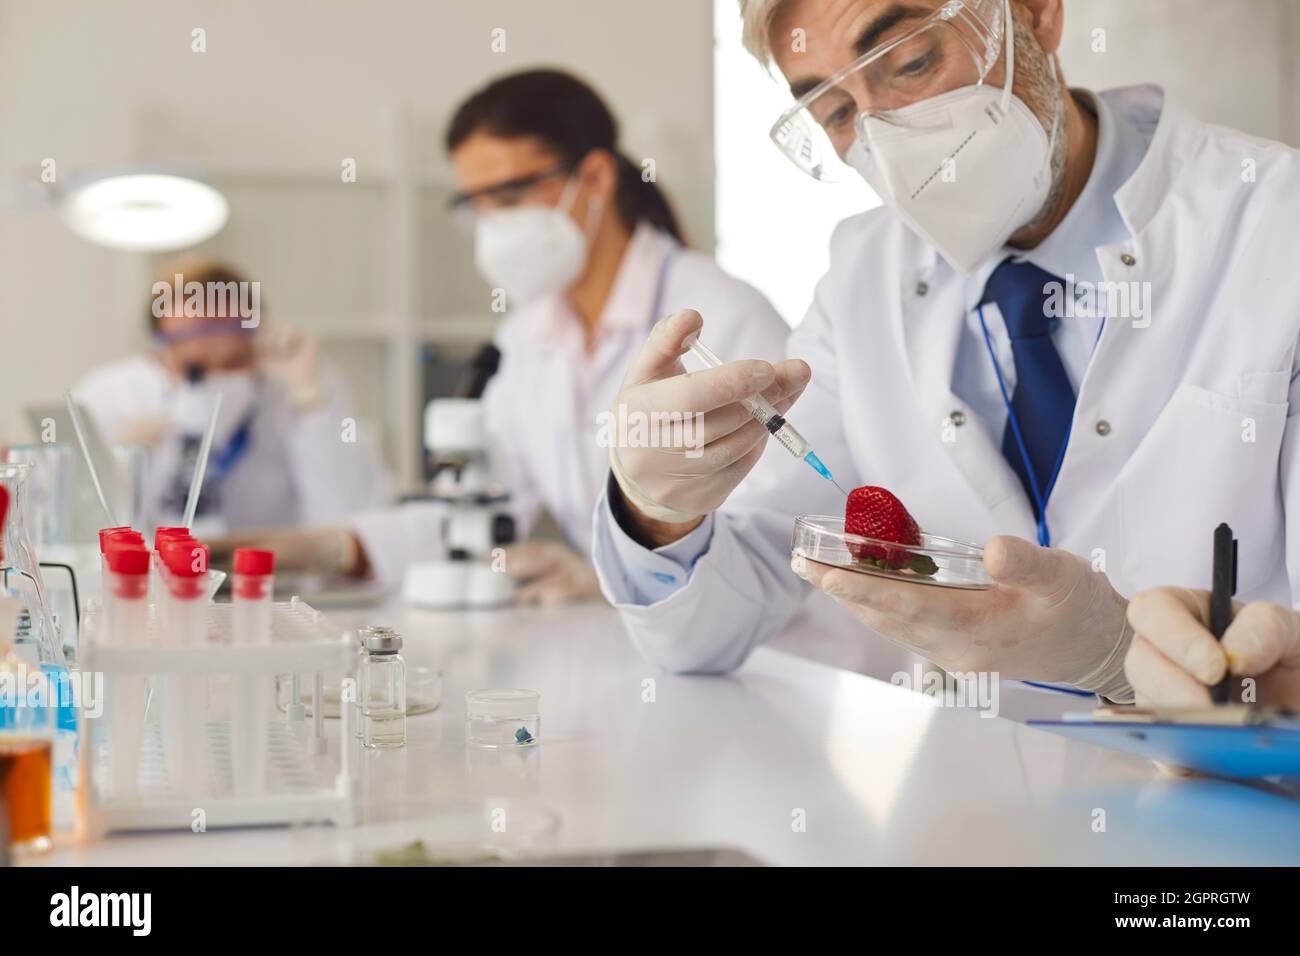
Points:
point(666, 491)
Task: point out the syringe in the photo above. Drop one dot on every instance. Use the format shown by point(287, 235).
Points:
point(768, 416)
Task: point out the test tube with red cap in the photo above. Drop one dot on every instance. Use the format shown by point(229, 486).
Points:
point(250, 598)
point(126, 590)
point(126, 610)
point(160, 537)
point(251, 595)
point(185, 572)
point(112, 538)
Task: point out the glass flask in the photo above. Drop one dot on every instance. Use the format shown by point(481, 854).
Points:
point(49, 484)
point(20, 575)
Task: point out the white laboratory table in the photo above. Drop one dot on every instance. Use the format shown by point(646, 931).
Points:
point(789, 760)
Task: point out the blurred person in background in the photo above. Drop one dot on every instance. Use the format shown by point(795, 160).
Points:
point(282, 452)
point(589, 255)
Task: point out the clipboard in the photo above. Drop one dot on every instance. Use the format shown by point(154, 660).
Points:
point(1227, 740)
point(1246, 747)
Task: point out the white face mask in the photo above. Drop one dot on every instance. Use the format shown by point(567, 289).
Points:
point(194, 400)
point(964, 170)
point(532, 251)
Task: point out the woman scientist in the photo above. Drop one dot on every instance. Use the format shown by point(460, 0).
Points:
point(588, 255)
point(277, 456)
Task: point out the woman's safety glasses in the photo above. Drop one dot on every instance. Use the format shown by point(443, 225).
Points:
point(914, 55)
point(504, 195)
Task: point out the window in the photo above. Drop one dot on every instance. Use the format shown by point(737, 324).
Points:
point(773, 222)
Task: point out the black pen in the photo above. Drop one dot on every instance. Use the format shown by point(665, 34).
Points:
point(1224, 586)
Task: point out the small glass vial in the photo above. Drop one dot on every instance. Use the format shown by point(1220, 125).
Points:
point(382, 690)
point(500, 718)
point(363, 633)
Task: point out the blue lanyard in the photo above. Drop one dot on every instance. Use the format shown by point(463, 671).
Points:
point(220, 463)
point(1040, 498)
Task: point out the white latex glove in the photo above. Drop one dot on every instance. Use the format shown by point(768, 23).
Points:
point(327, 551)
point(550, 573)
point(679, 473)
point(1174, 657)
point(289, 357)
point(1050, 617)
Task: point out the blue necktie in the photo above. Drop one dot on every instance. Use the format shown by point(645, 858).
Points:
point(1043, 401)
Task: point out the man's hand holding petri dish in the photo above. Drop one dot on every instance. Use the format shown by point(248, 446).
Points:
point(704, 441)
point(1048, 617)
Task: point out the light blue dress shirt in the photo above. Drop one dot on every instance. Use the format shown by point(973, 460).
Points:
point(644, 577)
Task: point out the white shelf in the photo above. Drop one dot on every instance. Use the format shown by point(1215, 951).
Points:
point(370, 264)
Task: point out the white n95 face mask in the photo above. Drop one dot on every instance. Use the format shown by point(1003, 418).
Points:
point(531, 251)
point(963, 170)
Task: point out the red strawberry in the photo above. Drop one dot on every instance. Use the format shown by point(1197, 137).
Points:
point(873, 512)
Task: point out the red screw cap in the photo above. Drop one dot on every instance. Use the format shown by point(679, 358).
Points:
point(129, 560)
point(167, 533)
point(254, 561)
point(106, 534)
point(185, 558)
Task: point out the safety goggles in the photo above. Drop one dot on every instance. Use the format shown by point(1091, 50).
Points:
point(512, 192)
point(914, 54)
point(203, 329)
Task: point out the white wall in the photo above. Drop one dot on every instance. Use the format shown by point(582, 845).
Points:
point(773, 220)
point(287, 89)
point(1235, 62)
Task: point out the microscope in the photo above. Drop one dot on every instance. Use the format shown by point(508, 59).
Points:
point(467, 481)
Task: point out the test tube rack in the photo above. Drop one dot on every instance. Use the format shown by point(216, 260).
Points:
point(304, 783)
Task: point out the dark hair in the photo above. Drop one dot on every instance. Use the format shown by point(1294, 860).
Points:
point(570, 119)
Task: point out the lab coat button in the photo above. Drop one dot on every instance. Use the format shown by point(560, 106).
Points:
point(1128, 259)
point(922, 288)
point(958, 418)
point(1103, 427)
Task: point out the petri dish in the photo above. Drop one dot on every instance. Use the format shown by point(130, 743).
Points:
point(502, 717)
point(957, 564)
point(451, 832)
point(423, 692)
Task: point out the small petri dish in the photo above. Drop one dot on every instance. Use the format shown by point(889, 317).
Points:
point(936, 562)
point(423, 692)
point(452, 832)
point(502, 717)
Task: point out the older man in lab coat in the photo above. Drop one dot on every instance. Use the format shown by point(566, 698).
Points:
point(970, 349)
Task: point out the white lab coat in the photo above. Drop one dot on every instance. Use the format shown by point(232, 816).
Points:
point(1198, 406)
point(542, 404)
point(297, 469)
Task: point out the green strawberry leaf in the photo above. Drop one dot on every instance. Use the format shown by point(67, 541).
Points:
point(923, 564)
point(917, 563)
